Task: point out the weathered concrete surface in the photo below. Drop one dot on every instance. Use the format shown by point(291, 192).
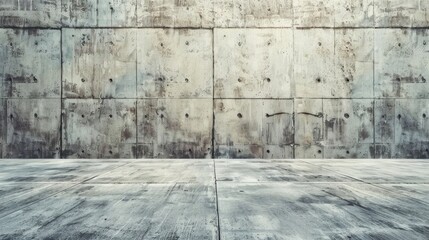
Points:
point(99, 63)
point(401, 57)
point(311, 63)
point(174, 63)
point(265, 128)
point(253, 63)
point(253, 13)
point(94, 13)
point(175, 128)
point(173, 13)
point(33, 128)
point(99, 128)
point(309, 211)
point(30, 13)
point(217, 199)
point(25, 55)
point(398, 13)
point(402, 125)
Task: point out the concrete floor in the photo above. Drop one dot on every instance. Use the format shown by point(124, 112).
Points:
point(206, 199)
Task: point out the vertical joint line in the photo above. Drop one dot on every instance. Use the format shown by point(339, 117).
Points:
point(61, 95)
point(136, 99)
point(213, 95)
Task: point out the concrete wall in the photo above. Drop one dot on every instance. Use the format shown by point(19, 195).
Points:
point(222, 78)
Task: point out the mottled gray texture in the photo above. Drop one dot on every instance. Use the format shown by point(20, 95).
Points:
point(214, 79)
point(214, 199)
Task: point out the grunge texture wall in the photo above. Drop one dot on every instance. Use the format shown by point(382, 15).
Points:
point(222, 78)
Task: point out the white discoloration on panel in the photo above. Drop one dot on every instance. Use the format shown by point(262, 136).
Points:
point(401, 58)
point(354, 75)
point(99, 128)
point(400, 13)
point(253, 63)
point(314, 63)
point(30, 13)
point(314, 13)
point(175, 128)
point(99, 63)
point(33, 128)
point(354, 13)
point(253, 13)
point(173, 13)
point(348, 122)
point(411, 128)
point(31, 63)
point(175, 63)
point(255, 123)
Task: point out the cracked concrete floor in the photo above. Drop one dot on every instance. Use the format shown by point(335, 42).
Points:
point(214, 199)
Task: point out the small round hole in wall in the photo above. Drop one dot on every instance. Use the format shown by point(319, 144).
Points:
point(36, 43)
point(424, 43)
point(83, 80)
point(190, 150)
point(110, 80)
point(399, 45)
point(399, 116)
point(348, 152)
point(110, 152)
point(319, 151)
point(186, 80)
point(162, 115)
point(347, 79)
point(398, 79)
point(83, 151)
point(83, 116)
point(346, 115)
point(239, 80)
point(239, 43)
point(35, 115)
point(11, 116)
point(318, 80)
point(162, 44)
point(187, 43)
point(239, 150)
point(319, 43)
point(239, 115)
point(268, 79)
point(186, 115)
point(268, 151)
point(110, 116)
point(424, 115)
point(383, 116)
point(145, 116)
